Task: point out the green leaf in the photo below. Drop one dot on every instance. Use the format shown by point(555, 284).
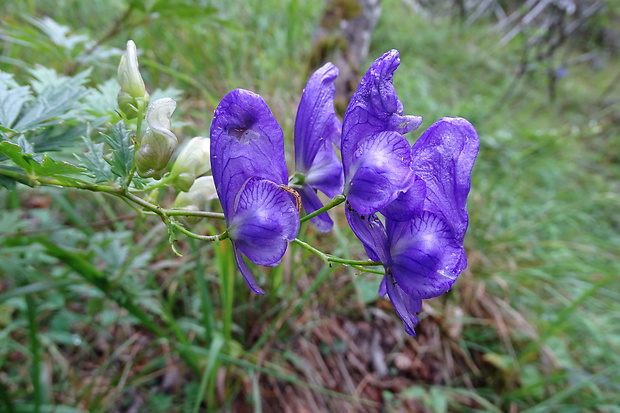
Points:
point(95, 163)
point(56, 97)
point(14, 153)
point(48, 168)
point(11, 103)
point(122, 152)
point(104, 99)
point(58, 34)
point(56, 137)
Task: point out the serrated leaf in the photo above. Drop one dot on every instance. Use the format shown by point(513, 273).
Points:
point(99, 54)
point(104, 99)
point(95, 163)
point(58, 33)
point(7, 79)
point(122, 153)
point(55, 137)
point(11, 103)
point(14, 153)
point(48, 168)
point(28, 148)
point(57, 97)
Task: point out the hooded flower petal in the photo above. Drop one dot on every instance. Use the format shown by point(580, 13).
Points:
point(406, 306)
point(421, 246)
point(265, 219)
point(374, 108)
point(316, 124)
point(443, 158)
point(426, 257)
point(370, 230)
point(408, 204)
point(249, 171)
point(246, 142)
point(192, 162)
point(316, 130)
point(245, 271)
point(326, 172)
point(380, 170)
point(158, 142)
point(311, 203)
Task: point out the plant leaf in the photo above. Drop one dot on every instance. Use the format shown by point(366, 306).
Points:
point(11, 103)
point(48, 168)
point(57, 97)
point(122, 153)
point(57, 33)
point(95, 162)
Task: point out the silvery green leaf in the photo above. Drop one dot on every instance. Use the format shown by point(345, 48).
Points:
point(95, 163)
point(122, 154)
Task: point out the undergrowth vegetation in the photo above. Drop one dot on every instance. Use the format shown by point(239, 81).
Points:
point(98, 314)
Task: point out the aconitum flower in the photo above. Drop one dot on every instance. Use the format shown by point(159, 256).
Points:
point(317, 130)
point(249, 171)
point(158, 142)
point(130, 79)
point(421, 242)
point(192, 162)
point(200, 194)
point(376, 156)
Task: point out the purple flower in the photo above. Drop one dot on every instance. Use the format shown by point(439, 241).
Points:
point(376, 156)
point(249, 171)
point(421, 242)
point(317, 130)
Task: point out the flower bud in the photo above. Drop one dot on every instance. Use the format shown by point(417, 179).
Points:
point(192, 162)
point(158, 143)
point(132, 85)
point(197, 198)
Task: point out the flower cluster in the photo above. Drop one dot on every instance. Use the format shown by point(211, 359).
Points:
point(406, 204)
point(155, 148)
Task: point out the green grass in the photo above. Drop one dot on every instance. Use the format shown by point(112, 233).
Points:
point(114, 316)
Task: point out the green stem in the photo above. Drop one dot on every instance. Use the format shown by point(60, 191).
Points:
point(34, 181)
point(331, 259)
point(186, 213)
point(164, 214)
point(218, 237)
point(141, 111)
point(164, 181)
point(338, 199)
point(366, 269)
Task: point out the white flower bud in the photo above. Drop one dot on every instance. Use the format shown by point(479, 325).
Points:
point(130, 79)
point(158, 142)
point(197, 198)
point(193, 161)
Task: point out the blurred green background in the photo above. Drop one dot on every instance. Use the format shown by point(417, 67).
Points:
point(533, 324)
